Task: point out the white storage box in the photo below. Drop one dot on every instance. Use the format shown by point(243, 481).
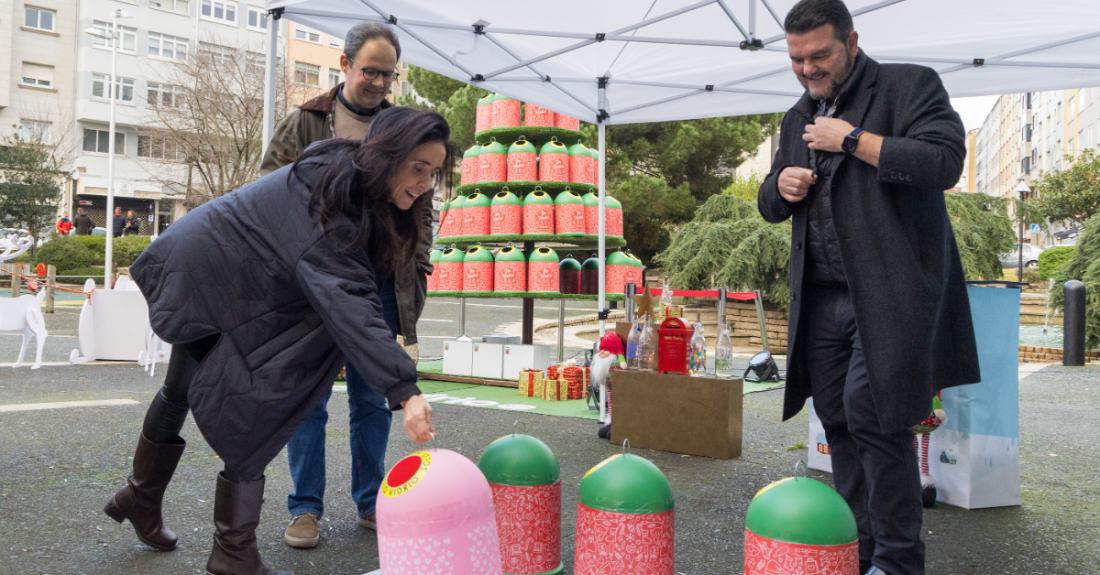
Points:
point(458, 357)
point(488, 359)
point(519, 357)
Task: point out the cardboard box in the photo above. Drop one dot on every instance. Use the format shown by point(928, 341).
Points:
point(488, 360)
point(518, 357)
point(458, 357)
point(678, 413)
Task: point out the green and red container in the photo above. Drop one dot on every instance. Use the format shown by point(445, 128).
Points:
point(538, 214)
point(580, 163)
point(569, 276)
point(449, 269)
point(566, 122)
point(591, 214)
point(492, 162)
point(613, 226)
point(444, 223)
point(510, 271)
point(505, 214)
point(477, 271)
point(803, 525)
point(505, 112)
point(471, 166)
point(523, 165)
point(451, 226)
point(476, 216)
point(484, 116)
point(624, 519)
point(554, 162)
point(636, 275)
point(526, 481)
point(590, 276)
point(542, 271)
point(620, 270)
point(594, 175)
point(433, 278)
point(537, 116)
point(569, 213)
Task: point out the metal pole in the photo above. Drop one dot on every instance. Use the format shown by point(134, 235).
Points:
point(108, 257)
point(631, 291)
point(721, 309)
point(51, 279)
point(602, 248)
point(1073, 342)
point(271, 75)
point(462, 315)
point(1020, 249)
point(561, 330)
point(763, 324)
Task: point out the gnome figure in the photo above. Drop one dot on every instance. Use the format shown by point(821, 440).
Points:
point(610, 356)
point(920, 440)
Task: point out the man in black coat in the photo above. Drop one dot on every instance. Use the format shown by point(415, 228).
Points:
point(879, 314)
point(118, 223)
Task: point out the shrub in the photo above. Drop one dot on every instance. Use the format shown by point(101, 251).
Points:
point(127, 249)
point(1083, 265)
point(64, 254)
point(1052, 259)
point(95, 244)
point(1032, 276)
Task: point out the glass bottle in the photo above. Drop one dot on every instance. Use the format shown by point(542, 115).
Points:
point(723, 353)
point(665, 301)
point(632, 344)
point(697, 359)
point(647, 346)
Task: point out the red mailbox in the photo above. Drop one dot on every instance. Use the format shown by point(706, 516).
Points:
point(672, 345)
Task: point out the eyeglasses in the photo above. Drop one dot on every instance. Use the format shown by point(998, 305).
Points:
point(370, 74)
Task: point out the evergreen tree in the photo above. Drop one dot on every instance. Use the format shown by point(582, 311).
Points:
point(30, 189)
point(1072, 194)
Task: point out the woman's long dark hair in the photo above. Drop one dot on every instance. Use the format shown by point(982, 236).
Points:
point(356, 184)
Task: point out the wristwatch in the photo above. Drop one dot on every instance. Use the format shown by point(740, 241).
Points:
point(851, 141)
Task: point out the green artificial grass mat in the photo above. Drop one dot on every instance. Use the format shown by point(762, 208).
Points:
point(521, 187)
point(537, 135)
point(581, 240)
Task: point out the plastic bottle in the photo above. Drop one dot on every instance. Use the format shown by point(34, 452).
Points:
point(723, 353)
point(697, 358)
point(632, 344)
point(647, 346)
point(666, 299)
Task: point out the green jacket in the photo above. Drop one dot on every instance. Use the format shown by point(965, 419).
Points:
point(314, 121)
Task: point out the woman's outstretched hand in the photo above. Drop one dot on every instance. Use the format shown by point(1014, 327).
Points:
point(418, 419)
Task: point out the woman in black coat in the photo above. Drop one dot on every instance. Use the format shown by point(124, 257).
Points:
point(265, 293)
point(133, 224)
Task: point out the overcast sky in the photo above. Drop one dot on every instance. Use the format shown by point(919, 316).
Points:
point(974, 110)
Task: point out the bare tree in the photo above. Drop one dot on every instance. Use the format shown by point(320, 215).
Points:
point(206, 112)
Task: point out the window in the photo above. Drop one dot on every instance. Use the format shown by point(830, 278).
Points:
point(404, 66)
point(39, 18)
point(37, 75)
point(219, 54)
point(333, 77)
point(221, 11)
point(129, 36)
point(124, 87)
point(165, 95)
point(334, 42)
point(34, 131)
point(171, 5)
point(307, 74)
point(165, 46)
point(307, 35)
point(98, 141)
point(257, 19)
point(405, 88)
point(158, 148)
point(257, 63)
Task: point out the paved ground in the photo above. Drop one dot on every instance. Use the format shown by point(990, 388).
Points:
point(58, 467)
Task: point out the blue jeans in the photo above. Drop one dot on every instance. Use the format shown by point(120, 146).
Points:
point(370, 432)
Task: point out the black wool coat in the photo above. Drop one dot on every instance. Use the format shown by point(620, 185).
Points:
point(896, 242)
point(289, 306)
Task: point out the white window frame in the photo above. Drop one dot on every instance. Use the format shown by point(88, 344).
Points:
point(263, 20)
point(165, 95)
point(168, 149)
point(107, 29)
point(333, 77)
point(34, 81)
point(226, 7)
point(122, 85)
point(120, 138)
point(176, 6)
point(176, 44)
point(336, 43)
point(28, 9)
point(306, 35)
point(305, 68)
point(34, 130)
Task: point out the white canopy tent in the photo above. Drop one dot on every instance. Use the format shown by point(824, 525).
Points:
point(636, 61)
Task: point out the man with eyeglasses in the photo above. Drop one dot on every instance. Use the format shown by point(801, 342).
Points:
point(371, 52)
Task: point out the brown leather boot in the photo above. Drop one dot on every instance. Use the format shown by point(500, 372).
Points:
point(236, 515)
point(140, 501)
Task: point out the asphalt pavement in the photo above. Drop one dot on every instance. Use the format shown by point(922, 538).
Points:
point(59, 466)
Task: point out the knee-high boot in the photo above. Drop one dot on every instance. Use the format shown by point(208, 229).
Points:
point(140, 501)
point(236, 515)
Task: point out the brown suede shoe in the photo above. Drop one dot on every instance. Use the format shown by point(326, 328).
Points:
point(303, 532)
point(370, 522)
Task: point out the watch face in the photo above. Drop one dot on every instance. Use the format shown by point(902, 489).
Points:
point(850, 144)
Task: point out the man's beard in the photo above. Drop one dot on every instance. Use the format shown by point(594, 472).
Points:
point(837, 81)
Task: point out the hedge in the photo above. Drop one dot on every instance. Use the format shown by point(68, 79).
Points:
point(1052, 259)
point(64, 253)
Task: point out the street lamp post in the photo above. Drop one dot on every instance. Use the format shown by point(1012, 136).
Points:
point(112, 92)
point(1021, 190)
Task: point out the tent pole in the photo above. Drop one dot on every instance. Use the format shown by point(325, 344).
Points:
point(602, 251)
point(271, 74)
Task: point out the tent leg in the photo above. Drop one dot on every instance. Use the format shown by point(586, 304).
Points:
point(602, 251)
point(271, 74)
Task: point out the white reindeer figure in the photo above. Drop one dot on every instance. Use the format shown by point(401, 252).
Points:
point(25, 314)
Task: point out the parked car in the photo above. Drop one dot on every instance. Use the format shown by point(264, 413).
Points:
point(1031, 257)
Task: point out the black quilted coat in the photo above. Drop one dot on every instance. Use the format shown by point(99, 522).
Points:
point(896, 244)
point(289, 306)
